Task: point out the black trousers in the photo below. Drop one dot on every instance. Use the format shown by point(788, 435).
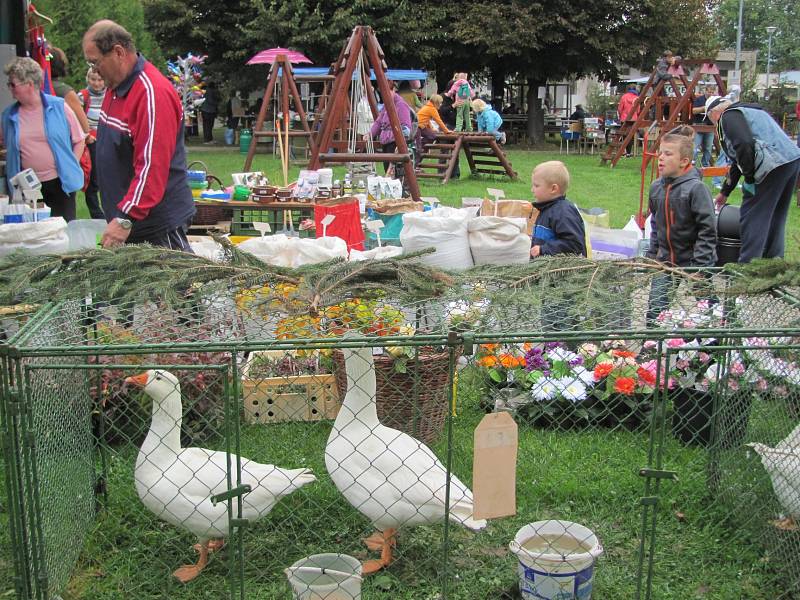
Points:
point(61, 204)
point(92, 191)
point(208, 125)
point(174, 239)
point(763, 215)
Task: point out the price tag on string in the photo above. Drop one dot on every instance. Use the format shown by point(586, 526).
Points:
point(375, 227)
point(326, 220)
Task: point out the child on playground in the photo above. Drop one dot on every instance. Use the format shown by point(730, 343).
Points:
point(681, 215)
point(559, 227)
point(461, 93)
point(489, 120)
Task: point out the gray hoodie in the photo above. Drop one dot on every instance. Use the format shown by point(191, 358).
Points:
point(682, 217)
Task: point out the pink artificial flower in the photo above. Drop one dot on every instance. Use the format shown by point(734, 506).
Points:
point(762, 384)
point(689, 324)
point(704, 357)
point(733, 384)
point(737, 368)
point(675, 342)
point(703, 304)
point(682, 364)
point(650, 345)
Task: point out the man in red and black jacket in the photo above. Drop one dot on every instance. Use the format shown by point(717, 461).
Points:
point(140, 153)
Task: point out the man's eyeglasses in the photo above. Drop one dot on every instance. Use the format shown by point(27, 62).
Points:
point(11, 85)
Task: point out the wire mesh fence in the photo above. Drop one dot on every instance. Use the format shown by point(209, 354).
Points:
point(656, 452)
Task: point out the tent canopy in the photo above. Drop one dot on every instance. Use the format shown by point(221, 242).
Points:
point(392, 74)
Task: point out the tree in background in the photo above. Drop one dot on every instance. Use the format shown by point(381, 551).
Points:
point(756, 17)
point(540, 42)
point(71, 19)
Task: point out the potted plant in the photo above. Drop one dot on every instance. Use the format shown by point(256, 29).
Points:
point(625, 379)
point(557, 386)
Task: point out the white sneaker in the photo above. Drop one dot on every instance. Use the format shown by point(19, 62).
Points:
point(502, 137)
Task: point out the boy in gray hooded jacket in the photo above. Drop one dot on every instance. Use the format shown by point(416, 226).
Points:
point(682, 217)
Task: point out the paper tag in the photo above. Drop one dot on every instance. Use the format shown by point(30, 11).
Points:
point(377, 350)
point(262, 228)
point(494, 473)
point(496, 193)
point(375, 226)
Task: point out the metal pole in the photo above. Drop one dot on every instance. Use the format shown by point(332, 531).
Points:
point(770, 31)
point(739, 41)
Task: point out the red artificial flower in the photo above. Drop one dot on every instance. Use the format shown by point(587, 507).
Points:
point(623, 353)
point(625, 385)
point(602, 370)
point(647, 377)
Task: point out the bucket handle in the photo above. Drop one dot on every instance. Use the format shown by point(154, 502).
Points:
point(323, 571)
point(515, 547)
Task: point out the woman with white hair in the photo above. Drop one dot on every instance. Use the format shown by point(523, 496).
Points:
point(41, 132)
point(489, 120)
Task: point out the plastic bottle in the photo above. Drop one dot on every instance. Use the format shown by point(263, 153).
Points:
point(336, 190)
point(348, 186)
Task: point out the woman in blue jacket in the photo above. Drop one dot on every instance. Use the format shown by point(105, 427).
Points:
point(42, 133)
point(489, 121)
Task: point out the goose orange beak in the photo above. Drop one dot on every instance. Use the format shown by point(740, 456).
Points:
point(140, 379)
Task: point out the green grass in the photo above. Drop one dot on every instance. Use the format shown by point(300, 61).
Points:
point(591, 477)
point(592, 184)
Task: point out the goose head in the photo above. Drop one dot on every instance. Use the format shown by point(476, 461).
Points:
point(156, 383)
point(165, 390)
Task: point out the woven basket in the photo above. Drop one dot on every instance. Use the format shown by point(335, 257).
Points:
point(209, 215)
point(415, 402)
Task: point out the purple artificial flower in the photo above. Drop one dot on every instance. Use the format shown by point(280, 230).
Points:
point(535, 361)
point(576, 362)
point(552, 345)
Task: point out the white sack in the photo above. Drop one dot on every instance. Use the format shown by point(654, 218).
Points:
point(310, 251)
point(499, 240)
point(272, 249)
point(633, 227)
point(283, 251)
point(444, 229)
point(43, 237)
point(207, 248)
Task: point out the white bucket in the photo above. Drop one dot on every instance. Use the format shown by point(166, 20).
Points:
point(556, 560)
point(325, 577)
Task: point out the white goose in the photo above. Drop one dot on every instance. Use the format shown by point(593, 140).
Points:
point(393, 479)
point(177, 484)
point(783, 465)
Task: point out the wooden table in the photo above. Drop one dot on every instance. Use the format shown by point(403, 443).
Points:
point(245, 213)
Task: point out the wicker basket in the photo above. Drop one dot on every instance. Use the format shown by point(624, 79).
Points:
point(210, 215)
point(415, 402)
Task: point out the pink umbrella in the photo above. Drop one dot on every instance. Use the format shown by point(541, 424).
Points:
point(269, 56)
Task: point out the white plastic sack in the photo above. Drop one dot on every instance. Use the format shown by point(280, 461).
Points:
point(272, 249)
point(376, 253)
point(283, 251)
point(207, 248)
point(633, 227)
point(309, 251)
point(444, 229)
point(613, 244)
point(499, 240)
point(43, 237)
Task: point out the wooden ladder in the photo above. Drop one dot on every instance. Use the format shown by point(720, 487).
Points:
point(668, 111)
point(483, 153)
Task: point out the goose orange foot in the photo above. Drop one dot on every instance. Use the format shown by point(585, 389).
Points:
point(787, 524)
point(213, 545)
point(188, 572)
point(384, 542)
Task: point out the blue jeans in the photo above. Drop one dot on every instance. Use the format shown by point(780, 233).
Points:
point(722, 160)
point(703, 143)
point(661, 289)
